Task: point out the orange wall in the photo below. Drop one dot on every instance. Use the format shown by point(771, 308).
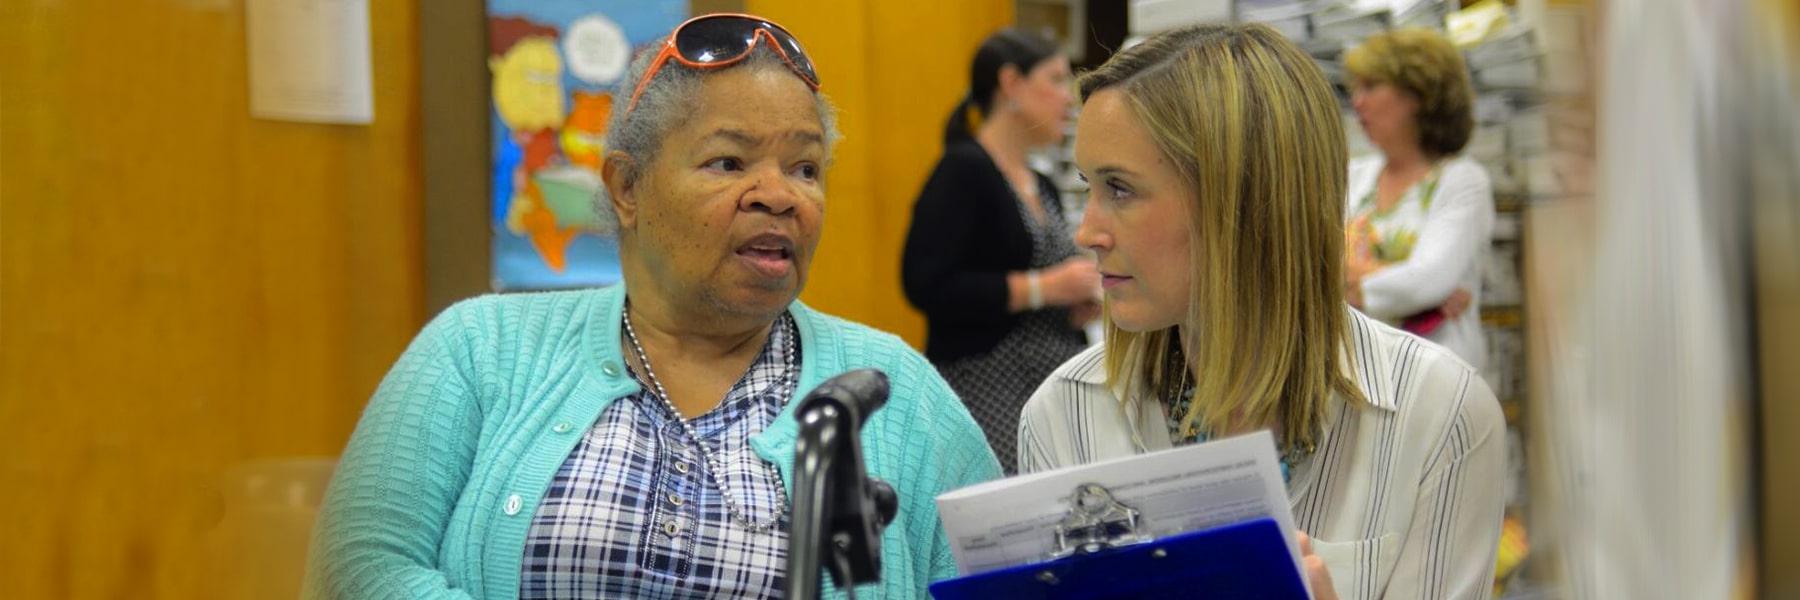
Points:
point(184, 288)
point(893, 69)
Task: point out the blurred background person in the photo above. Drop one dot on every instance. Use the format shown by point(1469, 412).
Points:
point(1419, 215)
point(988, 258)
point(637, 440)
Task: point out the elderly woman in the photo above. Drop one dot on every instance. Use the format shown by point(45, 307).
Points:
point(1419, 216)
point(638, 440)
point(1215, 158)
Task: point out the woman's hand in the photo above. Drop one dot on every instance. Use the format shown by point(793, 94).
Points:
point(1457, 303)
point(1353, 293)
point(1317, 576)
point(1070, 282)
point(1082, 313)
point(1357, 267)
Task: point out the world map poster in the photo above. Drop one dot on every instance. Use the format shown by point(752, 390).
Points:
point(554, 65)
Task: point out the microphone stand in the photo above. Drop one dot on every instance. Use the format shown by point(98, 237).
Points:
point(839, 511)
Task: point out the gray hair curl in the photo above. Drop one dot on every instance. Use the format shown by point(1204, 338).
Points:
point(666, 103)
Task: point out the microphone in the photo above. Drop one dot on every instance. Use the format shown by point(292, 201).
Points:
point(860, 392)
point(839, 511)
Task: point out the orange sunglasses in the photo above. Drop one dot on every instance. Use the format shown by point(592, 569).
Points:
point(720, 40)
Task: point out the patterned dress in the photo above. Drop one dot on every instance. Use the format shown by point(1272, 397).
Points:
point(1389, 235)
point(996, 384)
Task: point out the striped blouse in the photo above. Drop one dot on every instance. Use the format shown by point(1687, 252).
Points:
point(1403, 498)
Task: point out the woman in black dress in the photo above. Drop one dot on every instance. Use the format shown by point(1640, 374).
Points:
point(989, 258)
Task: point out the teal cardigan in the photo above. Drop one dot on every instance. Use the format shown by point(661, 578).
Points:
point(438, 485)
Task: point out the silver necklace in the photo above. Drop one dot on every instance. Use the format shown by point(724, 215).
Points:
point(715, 466)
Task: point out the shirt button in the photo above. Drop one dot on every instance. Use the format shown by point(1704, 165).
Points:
point(563, 427)
point(513, 503)
point(671, 527)
point(674, 499)
point(681, 468)
point(611, 369)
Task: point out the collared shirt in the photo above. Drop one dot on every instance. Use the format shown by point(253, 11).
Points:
point(633, 513)
point(1402, 496)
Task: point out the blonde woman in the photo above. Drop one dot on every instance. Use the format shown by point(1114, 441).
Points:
point(1419, 215)
point(1215, 156)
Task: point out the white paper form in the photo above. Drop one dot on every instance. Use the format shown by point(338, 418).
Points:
point(309, 60)
point(1013, 521)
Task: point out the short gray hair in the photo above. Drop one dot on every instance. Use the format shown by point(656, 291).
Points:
point(665, 104)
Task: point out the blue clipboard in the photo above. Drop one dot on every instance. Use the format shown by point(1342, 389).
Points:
point(1243, 560)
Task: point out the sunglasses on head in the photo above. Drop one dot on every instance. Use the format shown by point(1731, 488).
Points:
point(721, 40)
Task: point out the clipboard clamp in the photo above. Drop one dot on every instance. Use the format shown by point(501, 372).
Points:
point(1095, 522)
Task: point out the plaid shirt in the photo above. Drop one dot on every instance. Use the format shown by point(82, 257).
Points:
point(633, 513)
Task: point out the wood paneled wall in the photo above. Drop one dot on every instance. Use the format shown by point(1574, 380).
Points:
point(185, 290)
point(894, 70)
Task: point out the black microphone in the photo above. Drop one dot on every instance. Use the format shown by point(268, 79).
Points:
point(861, 392)
point(839, 512)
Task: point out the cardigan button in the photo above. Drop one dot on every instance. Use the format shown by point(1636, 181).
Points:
point(513, 503)
point(562, 427)
point(611, 369)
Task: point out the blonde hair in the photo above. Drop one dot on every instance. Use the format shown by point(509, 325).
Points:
point(1251, 124)
point(1424, 64)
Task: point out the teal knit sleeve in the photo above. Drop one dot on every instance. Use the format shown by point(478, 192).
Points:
point(379, 531)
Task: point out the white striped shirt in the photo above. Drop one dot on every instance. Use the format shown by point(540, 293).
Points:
point(1403, 498)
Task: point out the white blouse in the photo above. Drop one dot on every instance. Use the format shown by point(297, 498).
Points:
point(1440, 238)
point(1403, 498)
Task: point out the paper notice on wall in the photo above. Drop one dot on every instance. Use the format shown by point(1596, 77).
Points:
point(309, 60)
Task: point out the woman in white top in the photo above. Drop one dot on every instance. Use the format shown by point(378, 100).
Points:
point(1419, 217)
point(1214, 157)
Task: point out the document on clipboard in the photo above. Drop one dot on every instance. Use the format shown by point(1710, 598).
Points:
point(1015, 521)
